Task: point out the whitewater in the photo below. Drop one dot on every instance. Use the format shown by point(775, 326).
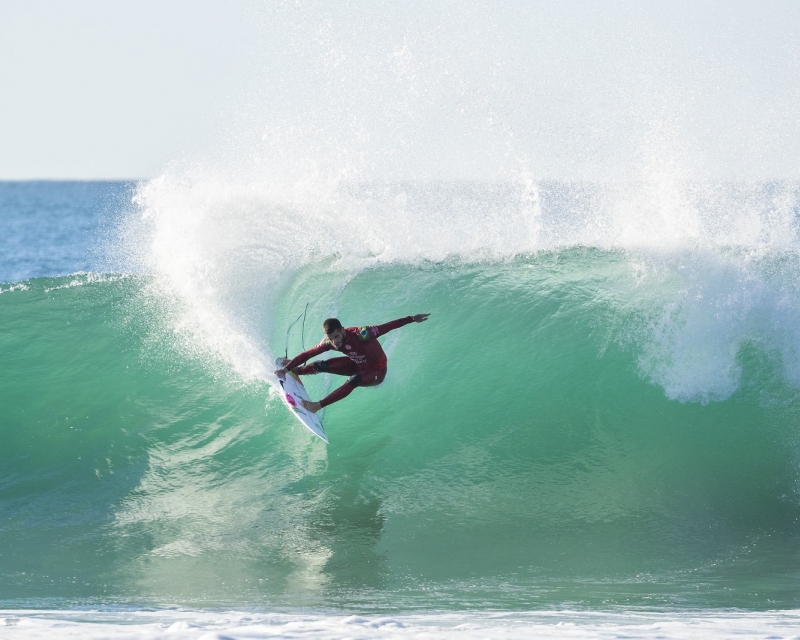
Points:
point(635, 472)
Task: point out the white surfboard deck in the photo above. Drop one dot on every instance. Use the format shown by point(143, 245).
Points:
point(293, 392)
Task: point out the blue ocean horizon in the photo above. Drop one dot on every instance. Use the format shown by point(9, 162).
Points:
point(50, 227)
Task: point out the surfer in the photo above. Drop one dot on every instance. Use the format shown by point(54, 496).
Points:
point(365, 362)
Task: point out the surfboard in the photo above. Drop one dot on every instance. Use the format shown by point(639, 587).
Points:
point(293, 392)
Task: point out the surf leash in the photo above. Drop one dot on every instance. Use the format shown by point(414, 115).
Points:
point(303, 330)
point(288, 331)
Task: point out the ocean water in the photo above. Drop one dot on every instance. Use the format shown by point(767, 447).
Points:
point(596, 432)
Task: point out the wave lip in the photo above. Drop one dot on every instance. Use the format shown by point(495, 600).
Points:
point(716, 263)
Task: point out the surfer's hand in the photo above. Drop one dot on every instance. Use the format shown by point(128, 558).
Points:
point(421, 317)
point(313, 407)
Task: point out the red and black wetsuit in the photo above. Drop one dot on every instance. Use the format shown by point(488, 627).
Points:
point(365, 361)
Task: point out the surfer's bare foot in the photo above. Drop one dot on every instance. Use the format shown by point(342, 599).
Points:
point(313, 407)
point(281, 373)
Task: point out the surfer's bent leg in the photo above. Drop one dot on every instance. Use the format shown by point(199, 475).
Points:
point(365, 379)
point(336, 366)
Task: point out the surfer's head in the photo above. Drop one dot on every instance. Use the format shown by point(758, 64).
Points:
point(334, 331)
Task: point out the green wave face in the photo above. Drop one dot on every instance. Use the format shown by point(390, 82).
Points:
point(553, 434)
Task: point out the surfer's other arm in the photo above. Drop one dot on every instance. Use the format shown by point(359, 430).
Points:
point(302, 358)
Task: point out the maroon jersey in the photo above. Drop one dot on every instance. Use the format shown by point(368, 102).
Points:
point(360, 345)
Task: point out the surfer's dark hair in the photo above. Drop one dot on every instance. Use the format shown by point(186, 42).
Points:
point(331, 324)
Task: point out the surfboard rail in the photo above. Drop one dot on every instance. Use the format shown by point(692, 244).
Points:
point(293, 392)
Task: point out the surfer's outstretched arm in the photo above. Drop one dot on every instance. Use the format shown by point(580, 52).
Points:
point(382, 329)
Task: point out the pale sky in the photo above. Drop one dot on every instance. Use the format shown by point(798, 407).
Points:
point(423, 89)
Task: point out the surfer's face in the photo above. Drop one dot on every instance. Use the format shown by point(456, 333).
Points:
point(337, 337)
